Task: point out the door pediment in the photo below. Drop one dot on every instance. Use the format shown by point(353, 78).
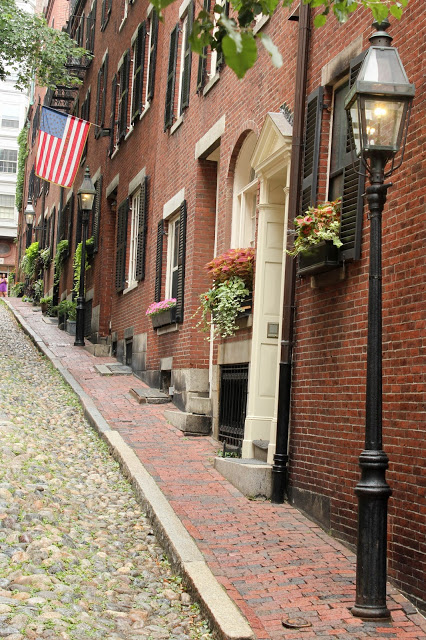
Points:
point(274, 144)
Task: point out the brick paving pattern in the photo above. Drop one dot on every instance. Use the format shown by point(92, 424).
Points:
point(273, 562)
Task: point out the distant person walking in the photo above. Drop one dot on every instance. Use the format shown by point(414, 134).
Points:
point(3, 285)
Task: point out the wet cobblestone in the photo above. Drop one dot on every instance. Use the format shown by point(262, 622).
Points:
point(78, 558)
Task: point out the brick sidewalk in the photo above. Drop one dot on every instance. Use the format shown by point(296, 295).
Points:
point(273, 562)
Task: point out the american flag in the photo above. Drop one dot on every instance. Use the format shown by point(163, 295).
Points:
point(60, 145)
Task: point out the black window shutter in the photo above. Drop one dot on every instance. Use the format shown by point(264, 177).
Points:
point(70, 216)
point(97, 214)
point(181, 263)
point(138, 71)
point(312, 146)
point(113, 109)
point(78, 227)
point(99, 97)
point(142, 224)
point(152, 54)
point(171, 77)
point(220, 57)
point(104, 85)
point(353, 189)
point(103, 14)
point(52, 232)
point(202, 60)
point(186, 78)
point(124, 96)
point(120, 258)
point(159, 261)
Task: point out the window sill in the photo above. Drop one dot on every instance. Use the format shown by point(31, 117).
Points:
point(171, 328)
point(132, 285)
point(176, 125)
point(145, 110)
point(114, 153)
point(123, 22)
point(211, 83)
point(129, 132)
point(259, 25)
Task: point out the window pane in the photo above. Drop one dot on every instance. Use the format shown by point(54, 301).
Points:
point(8, 160)
point(338, 145)
point(7, 209)
point(175, 245)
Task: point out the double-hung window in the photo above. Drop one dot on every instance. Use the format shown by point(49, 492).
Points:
point(7, 206)
point(8, 160)
point(10, 116)
point(100, 96)
point(344, 180)
point(179, 67)
point(175, 223)
point(245, 197)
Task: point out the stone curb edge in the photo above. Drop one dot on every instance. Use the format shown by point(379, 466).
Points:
point(226, 620)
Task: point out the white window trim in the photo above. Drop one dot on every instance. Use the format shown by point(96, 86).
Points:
point(133, 245)
point(170, 247)
point(182, 37)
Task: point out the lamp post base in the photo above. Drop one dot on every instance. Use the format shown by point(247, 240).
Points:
point(373, 493)
point(79, 325)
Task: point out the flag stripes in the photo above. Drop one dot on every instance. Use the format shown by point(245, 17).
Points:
point(60, 145)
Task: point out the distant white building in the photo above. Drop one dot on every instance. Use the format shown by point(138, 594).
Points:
point(13, 111)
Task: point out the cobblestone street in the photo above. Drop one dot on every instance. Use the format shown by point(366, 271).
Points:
point(78, 558)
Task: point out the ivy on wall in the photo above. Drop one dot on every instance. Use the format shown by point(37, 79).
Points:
point(22, 156)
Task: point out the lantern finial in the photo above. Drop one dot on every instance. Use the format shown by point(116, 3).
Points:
point(380, 38)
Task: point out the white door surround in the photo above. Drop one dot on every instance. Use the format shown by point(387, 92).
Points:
point(271, 162)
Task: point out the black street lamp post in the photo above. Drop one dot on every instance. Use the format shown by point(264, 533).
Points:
point(378, 108)
point(86, 196)
point(29, 219)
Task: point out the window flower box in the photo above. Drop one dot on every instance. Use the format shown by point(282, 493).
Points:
point(246, 306)
point(318, 259)
point(163, 318)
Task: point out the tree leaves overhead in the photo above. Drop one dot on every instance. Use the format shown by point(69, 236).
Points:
point(30, 48)
point(236, 35)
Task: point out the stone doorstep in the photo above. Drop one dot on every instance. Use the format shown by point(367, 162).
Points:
point(98, 350)
point(152, 396)
point(49, 320)
point(250, 476)
point(113, 369)
point(189, 423)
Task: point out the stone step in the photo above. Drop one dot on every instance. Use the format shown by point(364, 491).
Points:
point(252, 477)
point(198, 404)
point(151, 396)
point(99, 350)
point(113, 369)
point(189, 423)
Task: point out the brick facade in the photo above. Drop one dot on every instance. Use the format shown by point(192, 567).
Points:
point(327, 421)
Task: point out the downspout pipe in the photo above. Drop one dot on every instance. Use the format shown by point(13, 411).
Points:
point(280, 469)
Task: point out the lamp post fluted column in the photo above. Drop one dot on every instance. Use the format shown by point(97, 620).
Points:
point(86, 195)
point(372, 489)
point(80, 309)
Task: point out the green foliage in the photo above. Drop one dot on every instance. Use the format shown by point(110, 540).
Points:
point(29, 260)
point(235, 38)
point(77, 263)
point(38, 290)
point(67, 308)
point(45, 257)
point(22, 156)
point(58, 261)
point(30, 48)
point(17, 290)
point(220, 306)
point(316, 225)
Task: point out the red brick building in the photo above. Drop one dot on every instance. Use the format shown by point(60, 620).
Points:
point(189, 162)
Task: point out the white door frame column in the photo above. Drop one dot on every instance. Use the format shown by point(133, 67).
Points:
point(271, 161)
